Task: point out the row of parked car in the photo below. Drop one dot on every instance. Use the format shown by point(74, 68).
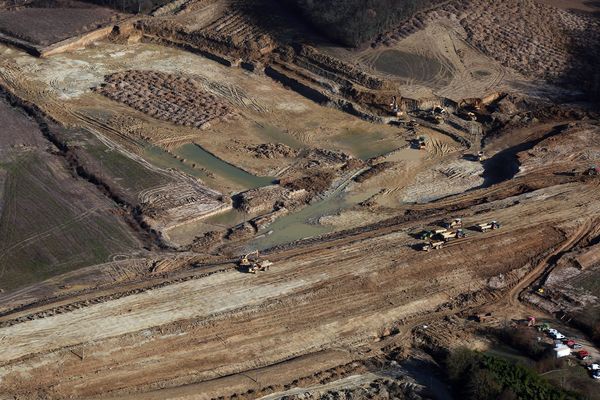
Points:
point(562, 341)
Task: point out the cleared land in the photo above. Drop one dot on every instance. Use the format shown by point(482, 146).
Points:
point(51, 222)
point(136, 171)
point(47, 25)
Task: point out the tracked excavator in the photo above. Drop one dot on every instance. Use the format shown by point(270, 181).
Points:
point(252, 263)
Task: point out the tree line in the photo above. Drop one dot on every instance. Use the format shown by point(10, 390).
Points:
point(353, 22)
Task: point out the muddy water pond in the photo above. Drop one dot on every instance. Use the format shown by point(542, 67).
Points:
point(197, 155)
point(304, 223)
point(216, 167)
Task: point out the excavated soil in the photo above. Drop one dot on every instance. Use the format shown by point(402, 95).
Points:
point(173, 98)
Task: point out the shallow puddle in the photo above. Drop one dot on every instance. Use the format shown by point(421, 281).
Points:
point(195, 154)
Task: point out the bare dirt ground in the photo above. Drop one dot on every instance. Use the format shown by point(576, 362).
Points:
point(128, 192)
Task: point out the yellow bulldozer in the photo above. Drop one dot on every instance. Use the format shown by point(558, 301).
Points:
point(252, 263)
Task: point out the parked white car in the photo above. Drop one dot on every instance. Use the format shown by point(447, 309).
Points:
point(552, 331)
point(594, 367)
point(559, 336)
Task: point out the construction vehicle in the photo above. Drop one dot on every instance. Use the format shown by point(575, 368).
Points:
point(455, 223)
point(480, 156)
point(395, 108)
point(540, 291)
point(424, 235)
point(592, 171)
point(446, 236)
point(432, 245)
point(439, 110)
point(584, 355)
point(488, 225)
point(428, 234)
point(252, 263)
point(421, 142)
point(543, 327)
point(435, 118)
point(467, 115)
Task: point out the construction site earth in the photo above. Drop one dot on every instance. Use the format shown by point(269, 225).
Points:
point(214, 201)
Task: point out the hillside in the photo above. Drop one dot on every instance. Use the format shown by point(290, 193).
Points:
point(352, 22)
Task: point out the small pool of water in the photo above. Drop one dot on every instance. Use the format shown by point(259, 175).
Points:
point(193, 153)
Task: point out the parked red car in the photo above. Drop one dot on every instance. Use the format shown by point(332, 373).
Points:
point(583, 355)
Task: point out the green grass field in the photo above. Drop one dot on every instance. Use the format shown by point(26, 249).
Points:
point(53, 222)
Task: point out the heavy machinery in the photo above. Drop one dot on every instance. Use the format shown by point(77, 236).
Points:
point(421, 142)
point(455, 223)
point(428, 234)
point(446, 236)
point(488, 225)
point(439, 110)
point(424, 235)
point(466, 115)
point(252, 263)
point(480, 156)
point(433, 245)
point(395, 109)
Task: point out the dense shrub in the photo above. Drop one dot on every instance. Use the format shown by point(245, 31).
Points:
point(478, 376)
point(352, 22)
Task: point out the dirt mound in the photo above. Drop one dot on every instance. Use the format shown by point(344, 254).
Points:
point(352, 22)
point(172, 98)
point(313, 184)
point(267, 198)
point(272, 150)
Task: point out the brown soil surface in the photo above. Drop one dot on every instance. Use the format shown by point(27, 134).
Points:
point(168, 97)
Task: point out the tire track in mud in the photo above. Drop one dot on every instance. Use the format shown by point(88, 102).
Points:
point(304, 248)
point(133, 218)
